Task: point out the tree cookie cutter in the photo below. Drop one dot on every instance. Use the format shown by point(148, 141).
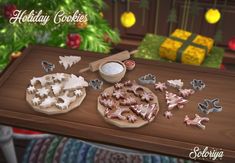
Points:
point(148, 79)
point(96, 84)
point(198, 84)
point(209, 106)
point(47, 66)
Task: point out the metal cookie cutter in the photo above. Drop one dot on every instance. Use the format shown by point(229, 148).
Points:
point(96, 84)
point(47, 66)
point(148, 79)
point(209, 106)
point(198, 84)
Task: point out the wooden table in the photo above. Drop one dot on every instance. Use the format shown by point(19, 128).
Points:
point(171, 137)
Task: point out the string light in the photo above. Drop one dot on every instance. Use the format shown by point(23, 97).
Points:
point(90, 38)
point(3, 30)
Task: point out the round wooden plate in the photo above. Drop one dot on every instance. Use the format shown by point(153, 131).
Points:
point(124, 123)
point(54, 110)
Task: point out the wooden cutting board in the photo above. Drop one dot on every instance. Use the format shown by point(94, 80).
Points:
point(171, 137)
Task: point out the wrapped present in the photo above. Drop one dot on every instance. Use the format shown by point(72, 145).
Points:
point(186, 47)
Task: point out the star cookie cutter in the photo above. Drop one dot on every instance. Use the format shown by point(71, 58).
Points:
point(198, 84)
point(96, 84)
point(148, 79)
point(209, 106)
point(47, 66)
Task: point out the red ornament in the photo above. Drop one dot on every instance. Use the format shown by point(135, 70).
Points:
point(73, 41)
point(231, 44)
point(107, 38)
point(9, 10)
point(222, 67)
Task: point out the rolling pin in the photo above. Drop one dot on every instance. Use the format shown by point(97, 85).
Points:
point(94, 66)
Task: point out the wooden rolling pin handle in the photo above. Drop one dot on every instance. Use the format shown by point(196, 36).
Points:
point(124, 55)
point(84, 70)
point(133, 52)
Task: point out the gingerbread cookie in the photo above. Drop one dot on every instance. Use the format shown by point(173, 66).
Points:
point(146, 96)
point(136, 89)
point(128, 105)
point(109, 103)
point(146, 111)
point(119, 94)
point(128, 83)
point(118, 86)
point(129, 101)
point(105, 95)
point(56, 93)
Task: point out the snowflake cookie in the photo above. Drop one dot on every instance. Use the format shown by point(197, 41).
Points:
point(160, 86)
point(168, 114)
point(42, 92)
point(105, 95)
point(131, 118)
point(31, 89)
point(146, 96)
point(118, 94)
point(58, 77)
point(36, 101)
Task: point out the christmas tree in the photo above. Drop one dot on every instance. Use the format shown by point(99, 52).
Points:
point(94, 35)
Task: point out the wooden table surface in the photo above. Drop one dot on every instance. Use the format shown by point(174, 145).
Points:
point(164, 136)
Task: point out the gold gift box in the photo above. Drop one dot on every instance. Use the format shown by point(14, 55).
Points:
point(186, 47)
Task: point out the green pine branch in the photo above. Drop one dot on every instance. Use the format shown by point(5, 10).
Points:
point(15, 37)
